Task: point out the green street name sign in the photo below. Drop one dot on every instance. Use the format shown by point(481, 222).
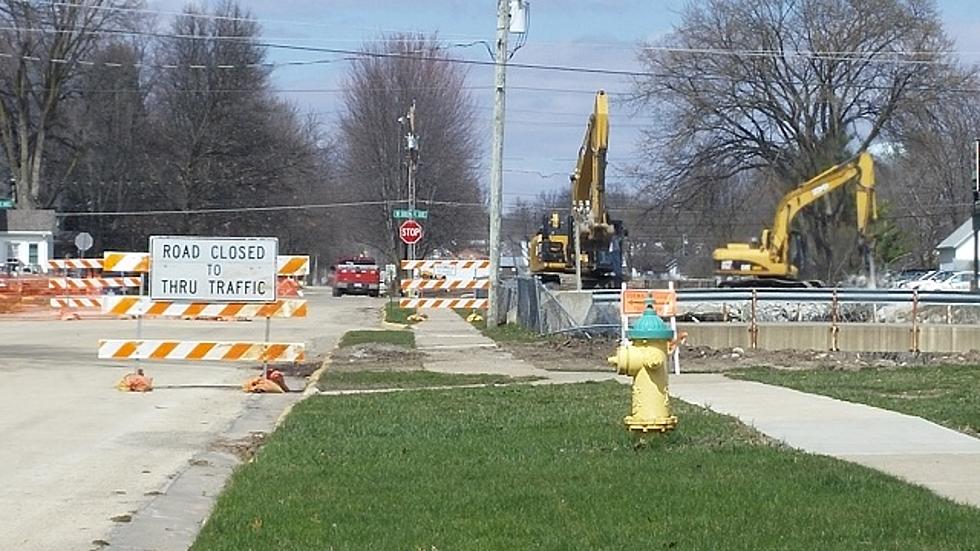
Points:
point(6, 203)
point(401, 214)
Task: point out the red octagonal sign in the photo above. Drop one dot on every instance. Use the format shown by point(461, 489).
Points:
point(410, 232)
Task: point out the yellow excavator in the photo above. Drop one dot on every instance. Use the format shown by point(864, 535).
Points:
point(552, 250)
point(767, 263)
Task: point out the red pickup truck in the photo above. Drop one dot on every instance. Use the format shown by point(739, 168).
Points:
point(358, 275)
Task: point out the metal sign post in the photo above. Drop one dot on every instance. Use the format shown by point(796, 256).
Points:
point(974, 287)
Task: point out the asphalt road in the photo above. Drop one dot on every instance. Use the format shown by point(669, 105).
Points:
point(76, 453)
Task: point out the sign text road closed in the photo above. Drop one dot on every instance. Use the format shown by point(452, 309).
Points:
point(213, 269)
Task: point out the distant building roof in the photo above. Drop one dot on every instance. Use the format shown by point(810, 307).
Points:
point(958, 237)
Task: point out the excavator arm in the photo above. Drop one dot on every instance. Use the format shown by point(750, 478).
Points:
point(589, 179)
point(771, 258)
point(807, 193)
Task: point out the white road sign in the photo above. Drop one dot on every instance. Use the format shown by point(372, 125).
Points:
point(213, 269)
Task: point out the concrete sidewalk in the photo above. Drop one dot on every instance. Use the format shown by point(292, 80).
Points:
point(452, 345)
point(943, 460)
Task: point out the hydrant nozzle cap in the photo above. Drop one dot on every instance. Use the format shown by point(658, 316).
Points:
point(650, 327)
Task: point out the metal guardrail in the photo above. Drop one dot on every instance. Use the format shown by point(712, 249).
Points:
point(813, 295)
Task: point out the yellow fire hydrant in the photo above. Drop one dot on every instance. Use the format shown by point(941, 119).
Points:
point(644, 357)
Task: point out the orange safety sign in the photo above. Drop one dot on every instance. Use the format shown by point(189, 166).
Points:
point(225, 351)
point(634, 301)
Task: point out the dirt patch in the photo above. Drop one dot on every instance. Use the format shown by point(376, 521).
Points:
point(712, 360)
point(243, 448)
point(299, 370)
point(574, 354)
point(568, 354)
point(376, 357)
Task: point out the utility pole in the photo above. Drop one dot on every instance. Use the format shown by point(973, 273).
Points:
point(497, 161)
point(976, 215)
point(412, 145)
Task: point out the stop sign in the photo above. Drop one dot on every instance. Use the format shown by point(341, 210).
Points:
point(410, 232)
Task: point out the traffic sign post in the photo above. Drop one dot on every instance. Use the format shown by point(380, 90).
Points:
point(410, 232)
point(402, 214)
point(6, 203)
point(83, 242)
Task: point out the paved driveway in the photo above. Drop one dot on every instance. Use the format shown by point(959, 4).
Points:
point(76, 453)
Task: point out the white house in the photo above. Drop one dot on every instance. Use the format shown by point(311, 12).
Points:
point(26, 249)
point(956, 251)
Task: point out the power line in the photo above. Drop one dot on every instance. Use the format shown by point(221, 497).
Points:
point(215, 17)
point(830, 55)
point(418, 56)
point(276, 208)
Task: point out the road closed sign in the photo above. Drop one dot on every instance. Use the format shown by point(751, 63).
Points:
point(213, 269)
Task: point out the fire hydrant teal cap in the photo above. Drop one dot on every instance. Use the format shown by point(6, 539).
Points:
point(650, 327)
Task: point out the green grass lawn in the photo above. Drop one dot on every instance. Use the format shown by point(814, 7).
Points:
point(397, 338)
point(946, 395)
point(354, 380)
point(509, 332)
point(524, 467)
point(397, 314)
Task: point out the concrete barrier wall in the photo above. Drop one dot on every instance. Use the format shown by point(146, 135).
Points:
point(716, 335)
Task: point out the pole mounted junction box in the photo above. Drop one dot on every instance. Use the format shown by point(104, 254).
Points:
point(519, 13)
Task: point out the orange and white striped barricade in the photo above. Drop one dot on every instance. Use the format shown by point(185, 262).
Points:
point(75, 303)
point(92, 283)
point(448, 279)
point(62, 265)
point(475, 303)
point(125, 262)
point(223, 351)
point(116, 261)
point(142, 306)
point(71, 307)
point(634, 301)
point(292, 265)
point(433, 265)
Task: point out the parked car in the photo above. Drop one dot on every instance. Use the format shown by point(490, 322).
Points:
point(903, 277)
point(931, 283)
point(959, 281)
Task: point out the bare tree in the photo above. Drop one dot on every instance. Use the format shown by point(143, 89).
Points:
point(929, 173)
point(226, 141)
point(379, 91)
point(782, 89)
point(47, 40)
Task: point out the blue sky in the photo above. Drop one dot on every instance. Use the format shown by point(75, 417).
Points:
point(544, 128)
